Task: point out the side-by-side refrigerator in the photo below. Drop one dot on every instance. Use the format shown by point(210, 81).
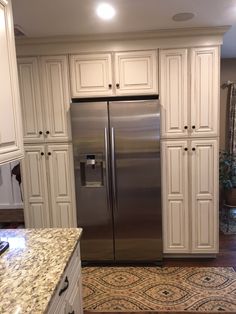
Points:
point(116, 145)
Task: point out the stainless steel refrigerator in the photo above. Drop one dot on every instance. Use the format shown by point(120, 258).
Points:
point(116, 144)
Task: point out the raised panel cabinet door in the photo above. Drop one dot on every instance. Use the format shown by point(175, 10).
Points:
point(204, 91)
point(11, 138)
point(174, 92)
point(136, 72)
point(62, 185)
point(75, 303)
point(91, 75)
point(36, 209)
point(175, 196)
point(31, 104)
point(204, 174)
point(56, 99)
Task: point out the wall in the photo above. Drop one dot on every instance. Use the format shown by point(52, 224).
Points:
point(228, 73)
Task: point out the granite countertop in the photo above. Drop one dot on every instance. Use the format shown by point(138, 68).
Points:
point(31, 269)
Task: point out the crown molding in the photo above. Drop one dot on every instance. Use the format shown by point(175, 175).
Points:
point(162, 33)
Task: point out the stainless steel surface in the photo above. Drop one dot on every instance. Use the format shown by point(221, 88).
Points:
point(121, 217)
point(94, 216)
point(137, 220)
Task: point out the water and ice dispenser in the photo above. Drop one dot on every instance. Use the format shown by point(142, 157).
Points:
point(91, 170)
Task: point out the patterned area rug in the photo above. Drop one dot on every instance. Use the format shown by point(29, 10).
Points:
point(167, 289)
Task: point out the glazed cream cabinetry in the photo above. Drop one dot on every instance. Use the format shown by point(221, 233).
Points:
point(11, 141)
point(189, 95)
point(68, 297)
point(44, 90)
point(189, 92)
point(48, 181)
point(106, 74)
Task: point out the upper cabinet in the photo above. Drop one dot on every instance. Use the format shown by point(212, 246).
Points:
point(11, 139)
point(45, 99)
point(189, 92)
point(134, 73)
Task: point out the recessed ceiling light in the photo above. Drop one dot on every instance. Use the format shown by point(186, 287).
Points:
point(181, 17)
point(105, 11)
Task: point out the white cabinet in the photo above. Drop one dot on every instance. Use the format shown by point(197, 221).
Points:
point(68, 297)
point(91, 75)
point(189, 109)
point(44, 90)
point(11, 139)
point(48, 181)
point(190, 196)
point(134, 73)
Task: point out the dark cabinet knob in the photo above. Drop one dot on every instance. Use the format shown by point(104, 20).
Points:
point(110, 86)
point(193, 127)
point(117, 85)
point(65, 286)
point(49, 154)
point(185, 127)
point(40, 132)
point(73, 312)
point(193, 149)
point(47, 132)
point(42, 153)
point(185, 148)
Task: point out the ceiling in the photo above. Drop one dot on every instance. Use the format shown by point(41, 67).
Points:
point(77, 17)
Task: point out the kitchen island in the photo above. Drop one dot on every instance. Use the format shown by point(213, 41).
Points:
point(40, 272)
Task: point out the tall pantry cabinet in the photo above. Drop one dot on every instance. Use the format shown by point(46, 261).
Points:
point(189, 95)
point(48, 177)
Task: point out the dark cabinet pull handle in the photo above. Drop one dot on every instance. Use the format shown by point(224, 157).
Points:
point(40, 132)
point(65, 287)
point(42, 153)
point(185, 127)
point(193, 149)
point(117, 85)
point(110, 86)
point(47, 132)
point(185, 148)
point(73, 312)
point(49, 154)
point(193, 127)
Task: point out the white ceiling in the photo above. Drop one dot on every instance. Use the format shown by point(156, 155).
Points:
point(40, 18)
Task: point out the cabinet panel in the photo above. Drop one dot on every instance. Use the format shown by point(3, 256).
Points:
point(35, 187)
point(30, 100)
point(136, 72)
point(173, 92)
point(175, 196)
point(11, 139)
point(91, 75)
point(204, 91)
point(204, 170)
point(61, 178)
point(56, 97)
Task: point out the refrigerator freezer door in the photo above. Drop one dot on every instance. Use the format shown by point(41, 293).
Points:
point(135, 137)
point(91, 149)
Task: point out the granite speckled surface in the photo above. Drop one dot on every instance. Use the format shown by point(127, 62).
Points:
point(31, 269)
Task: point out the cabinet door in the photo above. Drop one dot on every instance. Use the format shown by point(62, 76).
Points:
point(204, 91)
point(62, 185)
point(11, 138)
point(91, 75)
point(30, 100)
point(36, 207)
point(174, 92)
point(75, 303)
point(136, 72)
point(56, 100)
point(204, 173)
point(175, 196)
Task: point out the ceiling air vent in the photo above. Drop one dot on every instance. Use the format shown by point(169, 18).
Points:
point(18, 31)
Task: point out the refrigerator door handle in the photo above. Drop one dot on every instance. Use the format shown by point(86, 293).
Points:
point(113, 166)
point(107, 169)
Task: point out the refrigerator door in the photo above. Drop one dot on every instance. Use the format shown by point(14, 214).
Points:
point(91, 150)
point(135, 163)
